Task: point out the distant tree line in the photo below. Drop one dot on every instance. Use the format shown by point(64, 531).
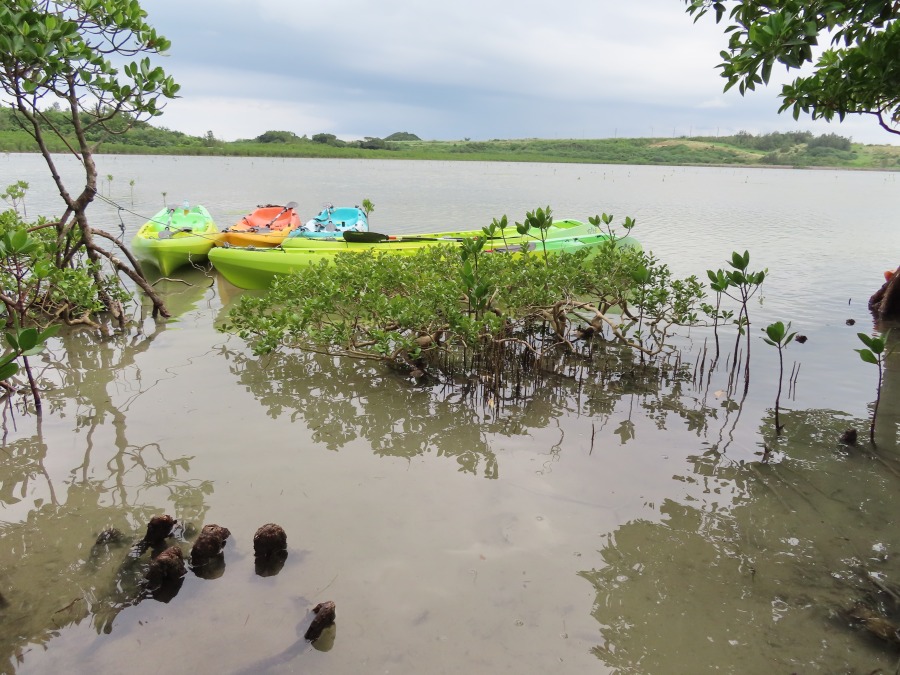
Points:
point(124, 131)
point(796, 149)
point(367, 143)
point(784, 141)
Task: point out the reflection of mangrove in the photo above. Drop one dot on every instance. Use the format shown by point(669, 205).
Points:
point(183, 291)
point(787, 564)
point(341, 400)
point(52, 575)
point(888, 429)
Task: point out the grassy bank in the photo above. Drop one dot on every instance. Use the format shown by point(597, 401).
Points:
point(799, 149)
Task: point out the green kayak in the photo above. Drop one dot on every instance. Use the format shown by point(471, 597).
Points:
point(256, 268)
point(174, 238)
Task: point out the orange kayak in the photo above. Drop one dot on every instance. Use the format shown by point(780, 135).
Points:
point(265, 227)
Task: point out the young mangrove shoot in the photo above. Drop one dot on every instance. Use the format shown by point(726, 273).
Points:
point(779, 336)
point(874, 354)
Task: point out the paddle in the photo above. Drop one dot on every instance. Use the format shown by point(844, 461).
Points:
point(377, 237)
point(364, 237)
point(353, 236)
point(287, 207)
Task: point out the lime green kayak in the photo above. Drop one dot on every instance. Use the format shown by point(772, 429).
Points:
point(174, 238)
point(256, 268)
point(560, 229)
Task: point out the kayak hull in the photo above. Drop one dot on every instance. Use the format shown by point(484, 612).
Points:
point(255, 269)
point(176, 238)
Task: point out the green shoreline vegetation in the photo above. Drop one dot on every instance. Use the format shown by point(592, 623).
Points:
point(790, 149)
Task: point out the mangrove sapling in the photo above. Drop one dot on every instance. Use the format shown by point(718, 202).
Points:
point(490, 231)
point(25, 342)
point(641, 276)
point(367, 207)
point(874, 354)
point(778, 335)
point(606, 221)
point(25, 282)
point(718, 283)
point(477, 289)
point(746, 284)
point(14, 195)
point(540, 220)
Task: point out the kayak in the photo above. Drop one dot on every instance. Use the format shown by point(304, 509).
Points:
point(174, 238)
point(561, 228)
point(256, 268)
point(267, 226)
point(331, 222)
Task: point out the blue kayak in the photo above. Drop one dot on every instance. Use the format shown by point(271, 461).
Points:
point(332, 222)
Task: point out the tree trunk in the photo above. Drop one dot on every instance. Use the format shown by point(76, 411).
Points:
point(885, 303)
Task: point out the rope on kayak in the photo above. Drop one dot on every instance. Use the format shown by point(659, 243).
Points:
point(121, 208)
point(121, 223)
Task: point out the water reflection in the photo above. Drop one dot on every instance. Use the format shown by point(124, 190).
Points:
point(342, 400)
point(762, 563)
point(183, 291)
point(57, 500)
point(53, 573)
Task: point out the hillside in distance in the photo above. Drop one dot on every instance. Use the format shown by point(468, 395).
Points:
point(791, 149)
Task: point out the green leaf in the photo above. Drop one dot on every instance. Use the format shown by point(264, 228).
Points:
point(7, 370)
point(775, 331)
point(867, 356)
point(867, 340)
point(28, 339)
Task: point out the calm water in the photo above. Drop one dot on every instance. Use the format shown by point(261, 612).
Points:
point(614, 521)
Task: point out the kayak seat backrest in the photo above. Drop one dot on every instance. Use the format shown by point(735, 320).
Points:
point(345, 213)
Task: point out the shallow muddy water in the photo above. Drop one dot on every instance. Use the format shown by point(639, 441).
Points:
point(616, 517)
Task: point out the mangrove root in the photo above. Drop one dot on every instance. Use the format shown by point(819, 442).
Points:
point(875, 624)
point(165, 568)
point(269, 539)
point(324, 618)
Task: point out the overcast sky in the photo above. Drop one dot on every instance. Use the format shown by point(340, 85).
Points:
point(478, 69)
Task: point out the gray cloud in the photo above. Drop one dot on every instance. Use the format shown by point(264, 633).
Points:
point(479, 69)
